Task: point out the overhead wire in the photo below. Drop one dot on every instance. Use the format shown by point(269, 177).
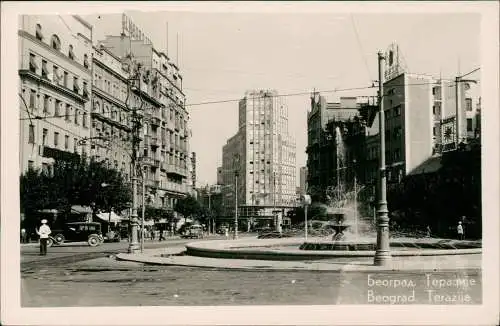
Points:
point(256, 97)
point(361, 48)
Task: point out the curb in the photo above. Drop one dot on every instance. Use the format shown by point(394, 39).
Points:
point(234, 264)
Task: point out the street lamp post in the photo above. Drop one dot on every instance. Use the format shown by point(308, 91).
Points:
point(143, 205)
point(382, 253)
point(306, 201)
point(134, 223)
point(236, 206)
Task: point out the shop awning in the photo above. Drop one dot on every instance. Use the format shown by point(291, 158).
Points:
point(105, 217)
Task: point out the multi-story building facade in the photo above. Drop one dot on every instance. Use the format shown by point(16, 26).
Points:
point(323, 165)
point(263, 154)
point(55, 88)
point(165, 142)
point(110, 136)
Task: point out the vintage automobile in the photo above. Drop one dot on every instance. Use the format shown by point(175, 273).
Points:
point(78, 231)
point(193, 232)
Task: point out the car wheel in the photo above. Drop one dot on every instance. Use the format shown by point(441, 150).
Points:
point(59, 238)
point(50, 242)
point(94, 240)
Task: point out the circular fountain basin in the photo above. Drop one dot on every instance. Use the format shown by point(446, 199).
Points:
point(290, 249)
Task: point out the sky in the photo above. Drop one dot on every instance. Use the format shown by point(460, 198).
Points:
point(222, 55)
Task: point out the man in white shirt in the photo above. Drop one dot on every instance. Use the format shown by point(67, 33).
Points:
point(460, 231)
point(44, 233)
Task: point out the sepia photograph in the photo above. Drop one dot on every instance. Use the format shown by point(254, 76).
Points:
point(250, 163)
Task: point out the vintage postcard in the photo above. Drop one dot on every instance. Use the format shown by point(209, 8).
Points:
point(250, 163)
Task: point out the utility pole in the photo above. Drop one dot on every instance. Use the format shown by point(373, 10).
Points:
point(136, 121)
point(382, 253)
point(236, 163)
point(143, 206)
point(236, 206)
point(457, 112)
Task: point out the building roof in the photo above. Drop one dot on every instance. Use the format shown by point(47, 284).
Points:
point(431, 165)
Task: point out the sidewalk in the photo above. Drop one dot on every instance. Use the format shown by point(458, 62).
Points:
point(427, 263)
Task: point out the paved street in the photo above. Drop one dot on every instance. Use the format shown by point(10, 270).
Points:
point(107, 282)
point(73, 252)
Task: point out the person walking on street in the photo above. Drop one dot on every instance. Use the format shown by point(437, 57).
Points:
point(460, 231)
point(24, 235)
point(43, 233)
point(428, 231)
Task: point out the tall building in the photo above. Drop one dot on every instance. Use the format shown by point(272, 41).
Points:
point(55, 81)
point(165, 142)
point(262, 153)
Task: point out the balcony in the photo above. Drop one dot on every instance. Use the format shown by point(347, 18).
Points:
point(173, 187)
point(153, 183)
point(156, 163)
point(146, 160)
point(177, 170)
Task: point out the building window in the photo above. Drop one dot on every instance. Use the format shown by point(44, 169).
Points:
point(32, 99)
point(44, 136)
point(33, 65)
point(56, 108)
point(468, 104)
point(68, 112)
point(85, 60)
point(434, 131)
point(38, 33)
point(76, 87)
point(75, 142)
point(55, 73)
point(84, 120)
point(469, 124)
point(55, 42)
point(66, 142)
point(45, 104)
point(85, 90)
point(45, 71)
point(65, 81)
point(56, 139)
point(71, 55)
point(31, 134)
point(76, 116)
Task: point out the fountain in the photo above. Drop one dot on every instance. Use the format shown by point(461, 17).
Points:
point(346, 240)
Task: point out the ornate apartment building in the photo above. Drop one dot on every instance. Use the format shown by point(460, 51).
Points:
point(55, 88)
point(165, 133)
point(111, 116)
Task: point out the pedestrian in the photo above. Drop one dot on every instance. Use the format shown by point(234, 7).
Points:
point(24, 235)
point(428, 231)
point(460, 231)
point(152, 234)
point(161, 234)
point(43, 233)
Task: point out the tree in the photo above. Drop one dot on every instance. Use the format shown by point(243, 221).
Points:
point(187, 206)
point(73, 182)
